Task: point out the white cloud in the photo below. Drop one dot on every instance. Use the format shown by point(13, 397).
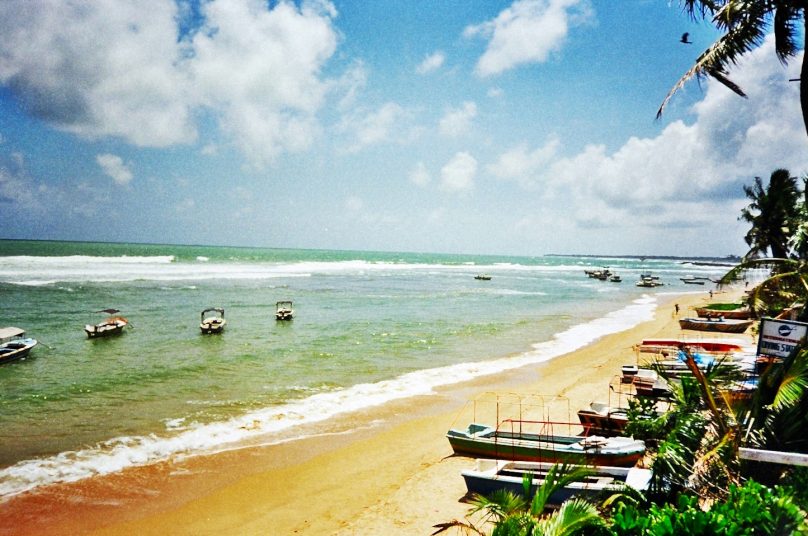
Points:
point(689, 172)
point(113, 166)
point(107, 68)
point(373, 128)
point(431, 63)
point(527, 32)
point(420, 175)
point(524, 166)
point(457, 121)
point(458, 174)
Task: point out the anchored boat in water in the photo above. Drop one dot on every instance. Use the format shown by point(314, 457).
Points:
point(283, 310)
point(14, 344)
point(212, 320)
point(112, 325)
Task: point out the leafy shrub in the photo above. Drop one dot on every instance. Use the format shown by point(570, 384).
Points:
point(750, 510)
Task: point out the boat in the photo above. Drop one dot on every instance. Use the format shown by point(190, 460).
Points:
point(690, 280)
point(212, 320)
point(112, 325)
point(720, 324)
point(649, 281)
point(14, 344)
point(482, 277)
point(493, 475)
point(719, 346)
point(602, 419)
point(510, 441)
point(283, 310)
point(616, 279)
point(647, 383)
point(741, 313)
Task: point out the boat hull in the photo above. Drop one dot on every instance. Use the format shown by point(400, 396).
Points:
point(720, 326)
point(16, 349)
point(490, 476)
point(104, 329)
point(213, 326)
point(733, 314)
point(482, 442)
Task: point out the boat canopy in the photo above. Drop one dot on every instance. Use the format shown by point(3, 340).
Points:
point(219, 310)
point(283, 305)
point(10, 333)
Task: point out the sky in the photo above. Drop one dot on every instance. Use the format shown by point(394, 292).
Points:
point(521, 127)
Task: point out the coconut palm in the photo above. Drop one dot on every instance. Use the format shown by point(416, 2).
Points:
point(513, 515)
point(744, 24)
point(774, 213)
point(787, 285)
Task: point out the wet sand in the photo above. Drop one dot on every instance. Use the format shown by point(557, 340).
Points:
point(393, 473)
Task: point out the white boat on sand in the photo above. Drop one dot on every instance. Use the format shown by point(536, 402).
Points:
point(492, 475)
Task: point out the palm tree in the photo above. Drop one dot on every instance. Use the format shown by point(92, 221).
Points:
point(787, 285)
point(745, 24)
point(512, 515)
point(774, 213)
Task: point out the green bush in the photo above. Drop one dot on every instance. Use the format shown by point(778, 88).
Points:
point(750, 510)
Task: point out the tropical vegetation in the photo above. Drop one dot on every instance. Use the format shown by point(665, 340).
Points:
point(700, 483)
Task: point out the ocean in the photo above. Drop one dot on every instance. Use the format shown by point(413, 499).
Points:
point(368, 328)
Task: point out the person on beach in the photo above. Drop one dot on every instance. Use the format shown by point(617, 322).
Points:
point(676, 309)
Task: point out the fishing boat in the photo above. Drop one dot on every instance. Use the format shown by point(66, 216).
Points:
point(212, 320)
point(493, 475)
point(616, 279)
point(719, 324)
point(741, 313)
point(14, 344)
point(649, 281)
point(721, 346)
point(690, 280)
point(482, 277)
point(112, 325)
point(283, 310)
point(602, 419)
point(511, 441)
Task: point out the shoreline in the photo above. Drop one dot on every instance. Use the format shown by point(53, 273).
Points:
point(391, 473)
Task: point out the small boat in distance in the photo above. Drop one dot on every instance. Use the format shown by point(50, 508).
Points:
point(283, 310)
point(493, 475)
point(482, 277)
point(512, 441)
point(719, 324)
point(616, 279)
point(690, 280)
point(112, 325)
point(212, 320)
point(14, 344)
point(650, 281)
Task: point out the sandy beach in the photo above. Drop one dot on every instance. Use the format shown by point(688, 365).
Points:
point(394, 473)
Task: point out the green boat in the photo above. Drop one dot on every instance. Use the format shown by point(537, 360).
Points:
point(512, 441)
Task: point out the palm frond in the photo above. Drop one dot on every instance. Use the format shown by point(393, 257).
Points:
point(785, 19)
point(557, 477)
point(464, 527)
point(794, 384)
point(497, 505)
point(741, 37)
point(573, 517)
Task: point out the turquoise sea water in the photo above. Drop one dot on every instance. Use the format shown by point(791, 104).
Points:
point(369, 327)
